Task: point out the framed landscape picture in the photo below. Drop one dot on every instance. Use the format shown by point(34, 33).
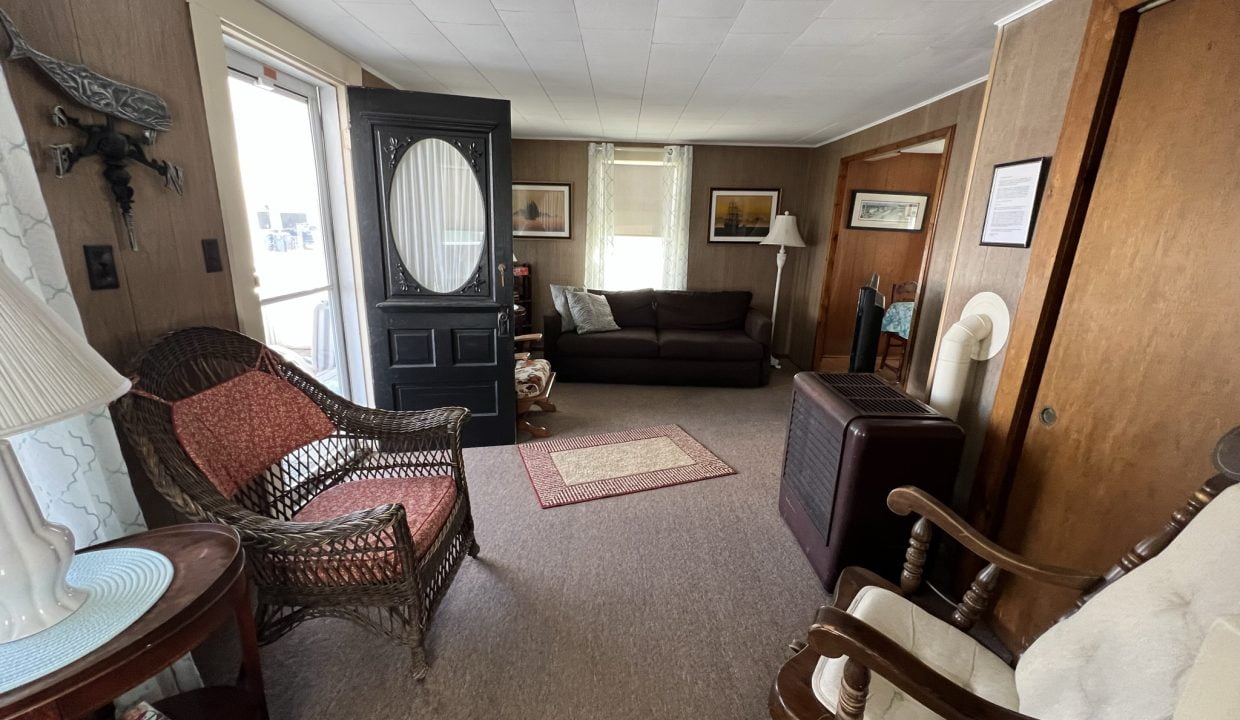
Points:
point(882, 210)
point(742, 216)
point(542, 210)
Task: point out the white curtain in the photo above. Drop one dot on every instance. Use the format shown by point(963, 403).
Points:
point(74, 467)
point(677, 194)
point(600, 211)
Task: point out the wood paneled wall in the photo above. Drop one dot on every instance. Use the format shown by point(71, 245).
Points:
point(962, 110)
point(164, 285)
point(711, 266)
point(1033, 68)
point(895, 256)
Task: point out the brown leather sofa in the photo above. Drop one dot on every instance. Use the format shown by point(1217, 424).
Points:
point(667, 338)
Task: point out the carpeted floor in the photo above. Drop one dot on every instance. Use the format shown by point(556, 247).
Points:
point(672, 603)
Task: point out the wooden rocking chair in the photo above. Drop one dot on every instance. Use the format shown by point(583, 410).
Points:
point(1134, 631)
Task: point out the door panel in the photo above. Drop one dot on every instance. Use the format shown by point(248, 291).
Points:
point(434, 179)
point(1142, 374)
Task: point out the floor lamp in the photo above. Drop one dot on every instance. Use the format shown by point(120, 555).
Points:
point(784, 234)
point(47, 373)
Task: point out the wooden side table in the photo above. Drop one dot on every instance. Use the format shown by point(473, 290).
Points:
point(208, 587)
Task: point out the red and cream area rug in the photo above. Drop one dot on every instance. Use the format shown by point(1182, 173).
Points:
point(576, 469)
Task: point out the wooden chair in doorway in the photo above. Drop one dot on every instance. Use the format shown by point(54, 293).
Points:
point(897, 325)
point(534, 381)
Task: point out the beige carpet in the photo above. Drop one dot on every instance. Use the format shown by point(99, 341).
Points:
point(659, 605)
point(573, 469)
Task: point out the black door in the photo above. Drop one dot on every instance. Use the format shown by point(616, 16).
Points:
point(434, 198)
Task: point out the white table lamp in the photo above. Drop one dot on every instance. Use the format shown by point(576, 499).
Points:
point(47, 373)
point(784, 234)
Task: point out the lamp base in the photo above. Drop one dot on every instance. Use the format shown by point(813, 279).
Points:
point(34, 558)
point(775, 363)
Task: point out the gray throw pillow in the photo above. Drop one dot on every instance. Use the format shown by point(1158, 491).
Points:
point(591, 313)
point(559, 298)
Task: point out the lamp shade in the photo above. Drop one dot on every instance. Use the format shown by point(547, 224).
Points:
point(784, 232)
point(47, 370)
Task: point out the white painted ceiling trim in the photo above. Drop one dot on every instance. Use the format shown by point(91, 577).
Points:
point(1006, 19)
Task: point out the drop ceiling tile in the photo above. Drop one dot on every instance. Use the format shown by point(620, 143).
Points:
point(700, 8)
point(776, 16)
point(633, 44)
point(839, 31)
point(391, 19)
point(612, 15)
point(541, 26)
point(873, 9)
point(690, 30)
point(474, 12)
point(534, 5)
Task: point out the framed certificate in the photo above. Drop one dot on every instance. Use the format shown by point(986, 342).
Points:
point(1015, 193)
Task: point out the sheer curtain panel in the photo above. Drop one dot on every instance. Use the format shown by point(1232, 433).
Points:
point(677, 191)
point(600, 211)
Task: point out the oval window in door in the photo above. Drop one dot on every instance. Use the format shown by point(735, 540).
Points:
point(437, 215)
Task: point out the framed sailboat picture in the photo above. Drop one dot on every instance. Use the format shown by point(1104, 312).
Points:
point(742, 216)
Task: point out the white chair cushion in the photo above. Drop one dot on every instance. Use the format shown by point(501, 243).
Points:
point(1124, 655)
point(936, 643)
point(1211, 690)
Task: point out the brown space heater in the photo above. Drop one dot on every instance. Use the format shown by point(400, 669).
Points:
point(852, 438)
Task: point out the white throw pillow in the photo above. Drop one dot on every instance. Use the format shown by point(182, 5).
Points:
point(1125, 655)
point(559, 298)
point(591, 313)
point(1212, 689)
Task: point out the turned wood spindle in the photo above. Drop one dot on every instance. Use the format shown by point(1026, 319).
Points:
point(854, 690)
point(977, 598)
point(915, 556)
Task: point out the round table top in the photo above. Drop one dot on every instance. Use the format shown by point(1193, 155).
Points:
point(206, 560)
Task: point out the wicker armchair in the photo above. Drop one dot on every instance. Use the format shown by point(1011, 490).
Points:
point(366, 565)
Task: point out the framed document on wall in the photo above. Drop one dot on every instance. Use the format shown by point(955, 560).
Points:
point(1015, 193)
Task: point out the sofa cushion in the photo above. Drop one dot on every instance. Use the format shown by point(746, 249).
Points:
point(687, 310)
point(559, 298)
point(622, 343)
point(947, 650)
point(1126, 653)
point(631, 308)
point(591, 313)
point(708, 345)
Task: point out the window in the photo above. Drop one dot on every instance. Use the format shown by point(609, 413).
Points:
point(638, 219)
point(635, 257)
point(281, 150)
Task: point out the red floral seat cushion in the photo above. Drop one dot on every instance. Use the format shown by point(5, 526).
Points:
point(427, 501)
point(239, 428)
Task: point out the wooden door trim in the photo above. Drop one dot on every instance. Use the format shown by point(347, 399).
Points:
point(1108, 39)
point(949, 134)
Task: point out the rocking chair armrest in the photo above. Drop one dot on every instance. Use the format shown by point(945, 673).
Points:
point(908, 499)
point(835, 633)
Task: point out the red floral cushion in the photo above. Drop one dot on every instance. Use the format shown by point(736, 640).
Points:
point(427, 501)
point(239, 428)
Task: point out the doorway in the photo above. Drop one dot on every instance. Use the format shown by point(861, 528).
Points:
point(278, 118)
point(886, 204)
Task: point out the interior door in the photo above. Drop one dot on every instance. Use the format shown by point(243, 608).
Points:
point(433, 175)
point(1142, 376)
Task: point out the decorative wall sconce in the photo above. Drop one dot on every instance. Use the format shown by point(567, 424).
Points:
point(117, 101)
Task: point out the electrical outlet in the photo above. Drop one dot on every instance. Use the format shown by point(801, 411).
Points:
point(101, 267)
point(211, 255)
